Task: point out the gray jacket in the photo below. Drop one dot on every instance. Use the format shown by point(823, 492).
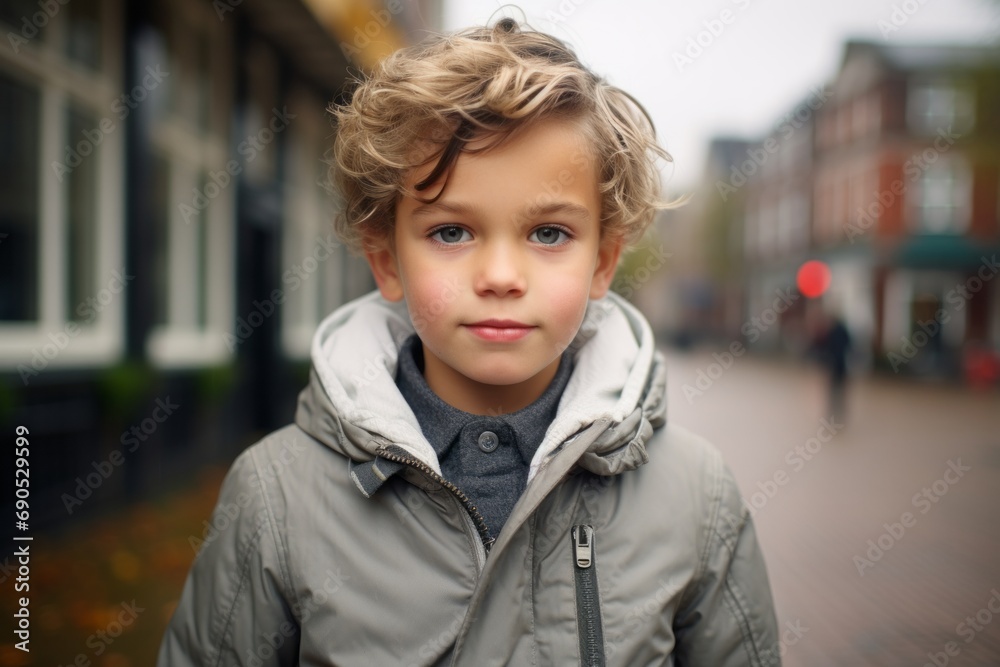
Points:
point(336, 542)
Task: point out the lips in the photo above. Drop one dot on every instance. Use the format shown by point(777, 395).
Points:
point(500, 331)
point(501, 324)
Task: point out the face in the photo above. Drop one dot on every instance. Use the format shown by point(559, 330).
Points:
point(497, 272)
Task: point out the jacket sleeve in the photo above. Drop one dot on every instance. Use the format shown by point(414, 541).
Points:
point(234, 608)
point(727, 619)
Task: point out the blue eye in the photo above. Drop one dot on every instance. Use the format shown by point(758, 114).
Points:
point(449, 235)
point(549, 235)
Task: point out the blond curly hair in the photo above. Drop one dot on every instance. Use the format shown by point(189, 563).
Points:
point(427, 102)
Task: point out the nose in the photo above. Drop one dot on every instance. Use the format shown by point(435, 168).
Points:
point(499, 270)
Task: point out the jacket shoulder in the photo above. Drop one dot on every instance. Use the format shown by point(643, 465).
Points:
point(240, 584)
point(687, 473)
point(726, 614)
point(289, 470)
point(688, 464)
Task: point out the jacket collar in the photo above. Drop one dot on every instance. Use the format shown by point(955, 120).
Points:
point(353, 406)
point(444, 425)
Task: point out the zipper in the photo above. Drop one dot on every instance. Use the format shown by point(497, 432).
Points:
point(588, 604)
point(472, 514)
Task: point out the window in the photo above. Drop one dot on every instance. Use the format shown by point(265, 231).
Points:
point(940, 105)
point(192, 200)
point(911, 297)
point(19, 204)
point(940, 201)
point(82, 40)
point(62, 275)
point(81, 223)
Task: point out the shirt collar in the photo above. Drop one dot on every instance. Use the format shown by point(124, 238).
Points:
point(443, 424)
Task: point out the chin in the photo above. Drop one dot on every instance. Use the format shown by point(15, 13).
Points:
point(498, 375)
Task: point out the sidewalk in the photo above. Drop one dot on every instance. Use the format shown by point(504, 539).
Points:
point(882, 536)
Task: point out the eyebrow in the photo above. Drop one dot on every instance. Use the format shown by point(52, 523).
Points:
point(562, 207)
point(532, 211)
point(458, 208)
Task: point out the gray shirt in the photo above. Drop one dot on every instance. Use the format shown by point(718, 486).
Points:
point(484, 455)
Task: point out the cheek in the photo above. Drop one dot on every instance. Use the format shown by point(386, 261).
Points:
point(429, 294)
point(567, 297)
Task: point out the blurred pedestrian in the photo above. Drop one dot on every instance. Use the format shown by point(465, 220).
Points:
point(831, 346)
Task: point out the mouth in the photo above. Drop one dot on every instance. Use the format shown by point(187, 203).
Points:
point(500, 331)
point(501, 324)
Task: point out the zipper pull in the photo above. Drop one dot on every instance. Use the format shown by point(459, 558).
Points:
point(583, 545)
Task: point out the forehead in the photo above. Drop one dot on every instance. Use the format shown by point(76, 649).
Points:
point(537, 161)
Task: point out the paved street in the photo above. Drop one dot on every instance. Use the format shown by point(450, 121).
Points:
point(916, 471)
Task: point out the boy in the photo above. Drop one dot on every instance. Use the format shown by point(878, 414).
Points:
point(480, 472)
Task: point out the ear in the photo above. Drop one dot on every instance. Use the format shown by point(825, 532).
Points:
point(607, 261)
point(382, 260)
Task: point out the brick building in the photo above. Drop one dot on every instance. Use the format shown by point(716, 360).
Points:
point(890, 175)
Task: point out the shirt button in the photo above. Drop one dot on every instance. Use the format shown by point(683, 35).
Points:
point(488, 441)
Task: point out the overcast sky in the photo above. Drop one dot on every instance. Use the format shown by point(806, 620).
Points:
point(765, 58)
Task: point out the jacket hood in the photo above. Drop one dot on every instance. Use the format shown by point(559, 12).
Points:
point(353, 406)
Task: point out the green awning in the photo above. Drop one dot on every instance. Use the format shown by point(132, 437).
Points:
point(943, 251)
